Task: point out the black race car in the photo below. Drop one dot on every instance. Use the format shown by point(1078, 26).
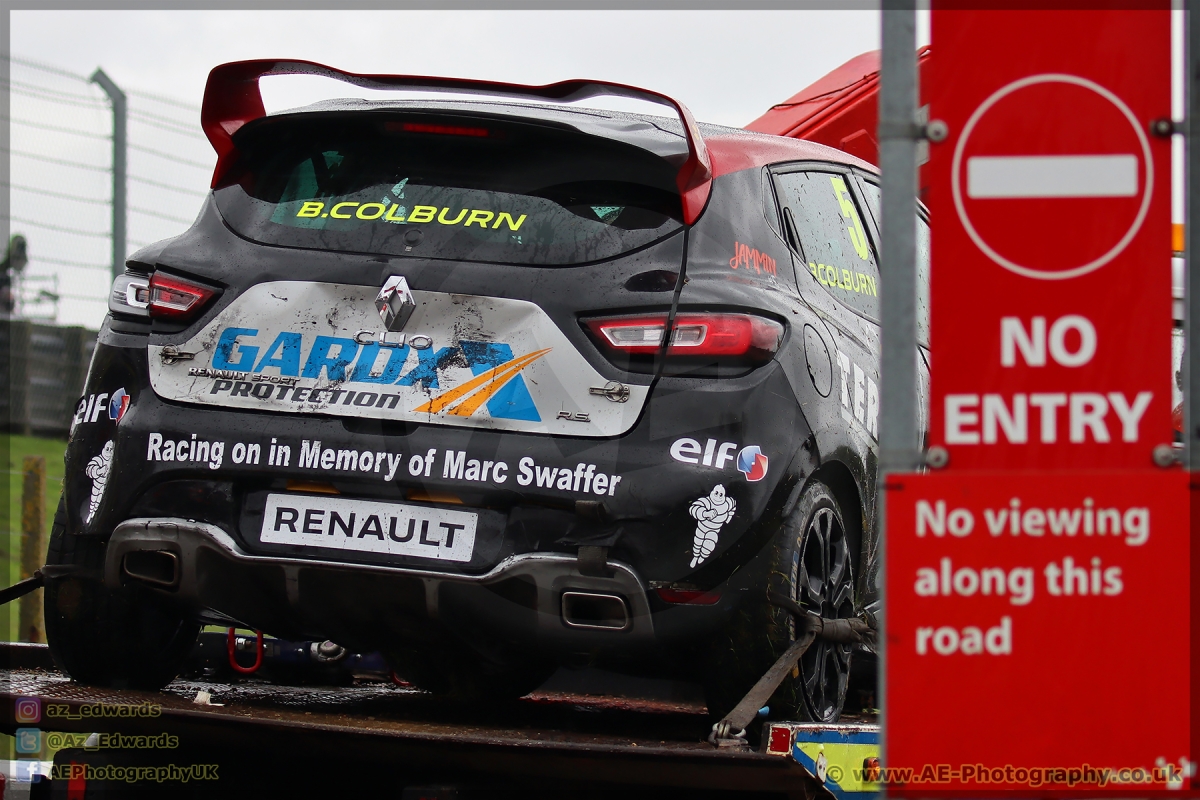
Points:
point(405, 385)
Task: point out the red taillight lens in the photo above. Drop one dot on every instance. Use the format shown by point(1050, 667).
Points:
point(693, 597)
point(175, 298)
point(716, 334)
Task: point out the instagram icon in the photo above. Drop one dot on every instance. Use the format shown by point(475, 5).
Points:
point(29, 710)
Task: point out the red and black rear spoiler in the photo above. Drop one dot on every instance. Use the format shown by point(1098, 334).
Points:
point(232, 98)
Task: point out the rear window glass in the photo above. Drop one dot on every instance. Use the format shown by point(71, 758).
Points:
point(458, 188)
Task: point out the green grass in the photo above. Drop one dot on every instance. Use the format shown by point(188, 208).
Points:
point(18, 447)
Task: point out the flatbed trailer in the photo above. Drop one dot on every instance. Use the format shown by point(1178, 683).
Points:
point(381, 739)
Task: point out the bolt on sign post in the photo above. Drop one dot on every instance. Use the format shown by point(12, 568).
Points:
point(1023, 574)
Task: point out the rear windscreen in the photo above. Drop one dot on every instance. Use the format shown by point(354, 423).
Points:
point(460, 188)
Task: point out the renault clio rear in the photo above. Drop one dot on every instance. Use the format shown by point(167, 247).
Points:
point(406, 384)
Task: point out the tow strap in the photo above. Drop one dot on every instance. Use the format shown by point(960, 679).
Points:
point(731, 730)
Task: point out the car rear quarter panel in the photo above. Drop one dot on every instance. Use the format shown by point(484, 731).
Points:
point(720, 273)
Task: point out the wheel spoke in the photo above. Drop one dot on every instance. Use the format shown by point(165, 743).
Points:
point(830, 680)
point(828, 545)
point(816, 559)
point(814, 573)
point(838, 560)
point(814, 674)
point(842, 654)
point(842, 590)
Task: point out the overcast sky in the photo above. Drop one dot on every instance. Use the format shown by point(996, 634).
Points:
point(727, 66)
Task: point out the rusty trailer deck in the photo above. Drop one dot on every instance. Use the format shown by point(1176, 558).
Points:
point(379, 735)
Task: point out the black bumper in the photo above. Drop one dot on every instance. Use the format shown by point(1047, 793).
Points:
point(216, 496)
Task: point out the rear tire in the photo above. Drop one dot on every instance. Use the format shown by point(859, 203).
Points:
point(123, 639)
point(810, 562)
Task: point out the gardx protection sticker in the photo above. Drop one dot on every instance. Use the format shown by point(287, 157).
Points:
point(297, 347)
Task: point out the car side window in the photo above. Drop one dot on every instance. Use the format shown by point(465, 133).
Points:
point(768, 201)
point(874, 197)
point(821, 213)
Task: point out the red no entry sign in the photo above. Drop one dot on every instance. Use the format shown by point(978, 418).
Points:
point(1052, 176)
point(1050, 205)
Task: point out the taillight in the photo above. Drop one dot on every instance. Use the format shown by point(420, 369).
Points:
point(130, 295)
point(716, 335)
point(175, 298)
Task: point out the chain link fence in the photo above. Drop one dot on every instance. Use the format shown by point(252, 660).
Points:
point(61, 192)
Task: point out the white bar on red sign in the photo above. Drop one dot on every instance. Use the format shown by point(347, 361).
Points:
point(1002, 177)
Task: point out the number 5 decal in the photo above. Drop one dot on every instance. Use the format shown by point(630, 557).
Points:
point(855, 229)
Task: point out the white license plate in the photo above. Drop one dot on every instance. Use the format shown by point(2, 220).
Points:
point(363, 526)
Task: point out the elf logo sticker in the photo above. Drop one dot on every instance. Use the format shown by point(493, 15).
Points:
point(752, 463)
point(89, 410)
point(750, 460)
point(118, 404)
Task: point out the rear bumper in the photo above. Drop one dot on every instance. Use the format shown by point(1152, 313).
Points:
point(533, 598)
point(539, 494)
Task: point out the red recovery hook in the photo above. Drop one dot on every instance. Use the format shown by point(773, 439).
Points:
point(230, 643)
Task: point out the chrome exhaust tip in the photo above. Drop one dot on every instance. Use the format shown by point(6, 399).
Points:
point(594, 611)
point(155, 567)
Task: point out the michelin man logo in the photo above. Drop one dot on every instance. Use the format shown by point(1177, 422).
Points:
point(711, 513)
point(97, 469)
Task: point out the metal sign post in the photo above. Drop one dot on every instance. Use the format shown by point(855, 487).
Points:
point(898, 132)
